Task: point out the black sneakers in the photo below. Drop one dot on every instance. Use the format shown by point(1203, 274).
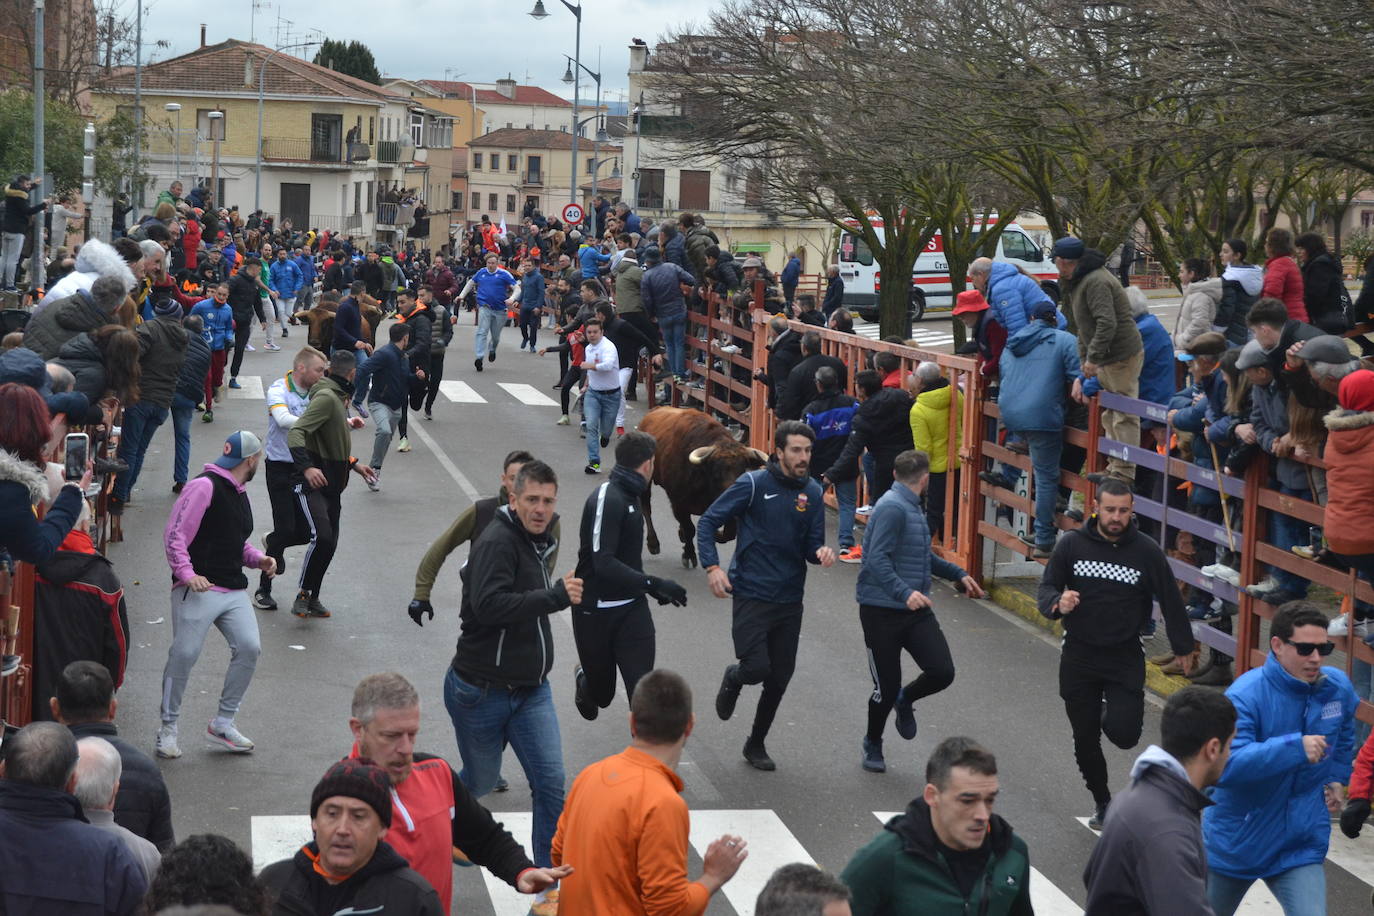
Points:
point(757, 756)
point(728, 695)
point(906, 716)
point(585, 706)
point(873, 755)
point(1099, 817)
point(477, 363)
point(263, 600)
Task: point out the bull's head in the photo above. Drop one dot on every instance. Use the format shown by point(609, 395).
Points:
point(723, 464)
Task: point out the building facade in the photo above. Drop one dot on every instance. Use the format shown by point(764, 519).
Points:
point(513, 171)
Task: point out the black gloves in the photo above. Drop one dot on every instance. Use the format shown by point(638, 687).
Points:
point(418, 608)
point(1353, 816)
point(666, 591)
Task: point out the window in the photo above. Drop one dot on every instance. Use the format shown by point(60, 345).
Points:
point(1366, 218)
point(371, 129)
point(694, 190)
point(529, 127)
point(650, 188)
point(853, 249)
point(591, 164)
point(491, 202)
point(371, 189)
point(546, 127)
point(326, 138)
point(534, 168)
point(417, 127)
point(512, 162)
point(510, 203)
point(476, 160)
point(476, 201)
point(509, 125)
point(357, 197)
point(1015, 245)
point(209, 128)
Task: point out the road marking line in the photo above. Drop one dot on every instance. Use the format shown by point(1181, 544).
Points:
point(1259, 899)
point(528, 394)
point(506, 900)
point(458, 476)
point(1046, 898)
point(771, 845)
point(251, 389)
point(460, 392)
point(1355, 856)
point(278, 836)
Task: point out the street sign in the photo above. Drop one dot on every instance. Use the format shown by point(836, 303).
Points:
point(572, 214)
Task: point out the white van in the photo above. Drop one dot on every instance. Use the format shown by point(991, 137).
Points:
point(930, 286)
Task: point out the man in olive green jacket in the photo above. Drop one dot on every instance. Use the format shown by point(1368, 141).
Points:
point(1109, 343)
point(948, 855)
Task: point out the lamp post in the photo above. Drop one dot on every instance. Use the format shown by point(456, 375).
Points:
point(175, 107)
point(215, 133)
point(638, 113)
point(262, 74)
point(600, 134)
point(571, 76)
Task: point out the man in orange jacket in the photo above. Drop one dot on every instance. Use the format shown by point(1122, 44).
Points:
point(644, 869)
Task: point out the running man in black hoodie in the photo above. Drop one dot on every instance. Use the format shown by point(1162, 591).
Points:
point(1101, 582)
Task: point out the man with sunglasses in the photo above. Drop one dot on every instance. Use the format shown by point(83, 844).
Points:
point(1292, 754)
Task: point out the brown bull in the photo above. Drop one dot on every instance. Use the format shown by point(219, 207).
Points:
point(320, 320)
point(696, 460)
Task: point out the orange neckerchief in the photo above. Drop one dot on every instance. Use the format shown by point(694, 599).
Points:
point(320, 870)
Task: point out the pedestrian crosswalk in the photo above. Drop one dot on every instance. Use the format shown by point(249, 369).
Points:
point(254, 388)
point(933, 336)
point(772, 844)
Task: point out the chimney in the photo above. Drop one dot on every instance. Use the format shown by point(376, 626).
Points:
point(202, 34)
point(639, 56)
point(248, 70)
point(506, 87)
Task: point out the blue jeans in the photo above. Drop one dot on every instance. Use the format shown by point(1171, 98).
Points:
point(1045, 451)
point(485, 720)
point(868, 465)
point(1300, 891)
point(599, 407)
point(846, 492)
point(674, 335)
point(490, 321)
point(183, 408)
point(141, 421)
point(360, 393)
point(1289, 532)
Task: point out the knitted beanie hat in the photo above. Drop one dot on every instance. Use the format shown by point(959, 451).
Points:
point(355, 777)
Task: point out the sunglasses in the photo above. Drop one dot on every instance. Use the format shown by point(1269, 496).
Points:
point(1307, 648)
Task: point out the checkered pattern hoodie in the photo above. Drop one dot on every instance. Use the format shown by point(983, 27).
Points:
point(1118, 583)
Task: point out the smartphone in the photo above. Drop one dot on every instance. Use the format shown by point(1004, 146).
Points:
point(78, 455)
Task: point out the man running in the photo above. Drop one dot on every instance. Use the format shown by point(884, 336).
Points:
point(601, 362)
point(287, 398)
point(612, 625)
point(895, 609)
point(780, 519)
point(1101, 583)
point(320, 448)
point(493, 285)
point(207, 544)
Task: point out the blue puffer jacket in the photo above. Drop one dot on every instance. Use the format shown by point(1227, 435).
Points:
point(1269, 814)
point(661, 291)
point(1204, 417)
point(1157, 371)
point(219, 323)
point(1037, 363)
point(1012, 295)
point(286, 278)
point(591, 259)
point(897, 558)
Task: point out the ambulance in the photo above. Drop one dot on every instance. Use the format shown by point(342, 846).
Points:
point(930, 286)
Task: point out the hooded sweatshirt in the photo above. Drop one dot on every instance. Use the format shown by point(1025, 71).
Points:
point(1150, 859)
point(1118, 583)
point(95, 259)
point(1240, 287)
point(385, 884)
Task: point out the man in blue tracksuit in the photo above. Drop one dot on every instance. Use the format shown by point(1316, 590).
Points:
point(493, 284)
point(895, 609)
point(1290, 760)
point(780, 517)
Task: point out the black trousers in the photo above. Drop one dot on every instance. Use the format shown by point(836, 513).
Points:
point(765, 636)
point(241, 331)
point(649, 330)
point(889, 631)
point(611, 638)
point(321, 509)
point(433, 377)
point(1103, 690)
point(289, 527)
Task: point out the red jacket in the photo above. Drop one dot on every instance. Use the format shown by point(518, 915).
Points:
point(190, 242)
point(1283, 280)
point(1362, 777)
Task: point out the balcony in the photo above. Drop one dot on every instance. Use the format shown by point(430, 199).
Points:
point(535, 178)
point(283, 149)
point(392, 152)
point(359, 152)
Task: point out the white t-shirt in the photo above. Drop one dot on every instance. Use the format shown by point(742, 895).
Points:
point(606, 375)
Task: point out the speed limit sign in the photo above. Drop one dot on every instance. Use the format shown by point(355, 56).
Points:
point(572, 214)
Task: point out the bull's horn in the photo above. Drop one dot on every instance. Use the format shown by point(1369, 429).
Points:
point(761, 455)
point(699, 455)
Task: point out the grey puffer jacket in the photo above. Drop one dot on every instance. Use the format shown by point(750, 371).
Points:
point(163, 341)
point(83, 359)
point(64, 319)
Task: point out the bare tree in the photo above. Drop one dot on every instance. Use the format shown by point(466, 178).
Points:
point(83, 39)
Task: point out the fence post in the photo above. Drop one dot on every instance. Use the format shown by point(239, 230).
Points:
point(1247, 633)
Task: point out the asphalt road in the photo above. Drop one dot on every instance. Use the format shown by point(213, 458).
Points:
point(822, 803)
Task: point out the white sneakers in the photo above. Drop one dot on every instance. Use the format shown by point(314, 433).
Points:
point(1223, 572)
point(403, 445)
point(166, 747)
point(1340, 626)
point(374, 484)
point(223, 734)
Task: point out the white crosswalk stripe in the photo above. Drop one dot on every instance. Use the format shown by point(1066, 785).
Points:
point(250, 388)
point(527, 394)
point(771, 845)
point(925, 337)
point(460, 392)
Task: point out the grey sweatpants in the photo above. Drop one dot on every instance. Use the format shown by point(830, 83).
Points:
point(193, 613)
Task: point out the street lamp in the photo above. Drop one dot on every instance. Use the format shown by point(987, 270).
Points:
point(175, 107)
point(262, 74)
point(576, 9)
point(216, 134)
point(601, 134)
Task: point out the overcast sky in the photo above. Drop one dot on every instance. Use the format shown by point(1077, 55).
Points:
point(476, 41)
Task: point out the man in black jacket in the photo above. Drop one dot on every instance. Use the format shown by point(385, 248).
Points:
point(162, 342)
point(388, 374)
point(784, 352)
point(348, 867)
point(83, 700)
point(801, 383)
point(189, 393)
point(1102, 581)
point(612, 624)
point(1150, 858)
point(834, 291)
point(245, 303)
point(14, 225)
point(496, 689)
point(417, 316)
point(882, 424)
